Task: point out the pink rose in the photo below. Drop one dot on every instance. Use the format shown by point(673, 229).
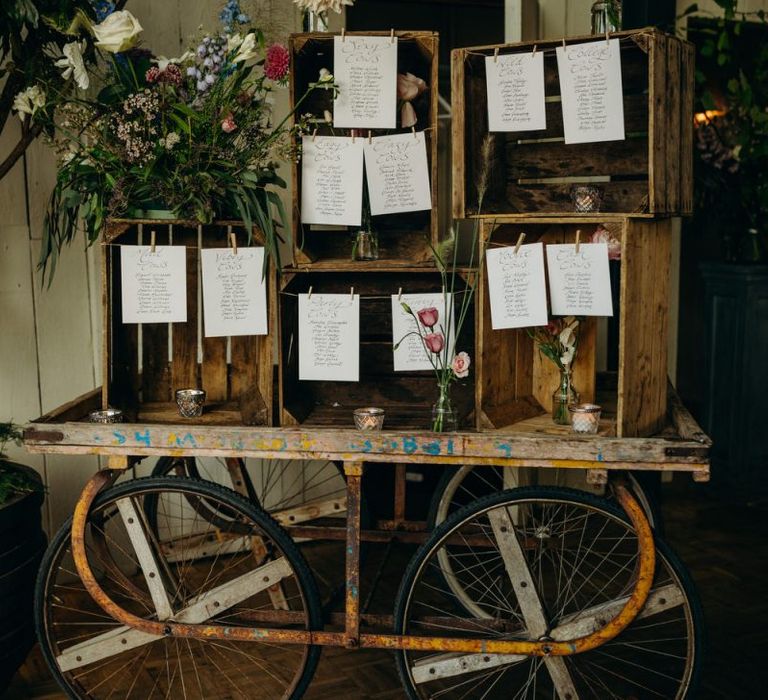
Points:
point(408, 116)
point(228, 124)
point(434, 342)
point(409, 86)
point(603, 235)
point(460, 365)
point(277, 62)
point(428, 317)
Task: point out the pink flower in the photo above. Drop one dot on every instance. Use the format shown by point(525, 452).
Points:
point(428, 317)
point(553, 327)
point(152, 74)
point(228, 124)
point(408, 116)
point(277, 62)
point(603, 235)
point(409, 86)
point(460, 365)
point(434, 342)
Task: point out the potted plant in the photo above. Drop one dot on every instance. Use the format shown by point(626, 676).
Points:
point(22, 543)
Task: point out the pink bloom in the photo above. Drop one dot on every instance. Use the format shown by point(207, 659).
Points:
point(408, 116)
point(409, 86)
point(553, 327)
point(428, 317)
point(277, 62)
point(152, 74)
point(171, 75)
point(434, 342)
point(460, 365)
point(228, 124)
point(603, 235)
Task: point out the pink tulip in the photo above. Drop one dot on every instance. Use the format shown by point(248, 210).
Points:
point(428, 317)
point(434, 342)
point(460, 365)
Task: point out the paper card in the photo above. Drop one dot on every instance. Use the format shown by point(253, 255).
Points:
point(515, 84)
point(579, 283)
point(234, 292)
point(590, 86)
point(329, 337)
point(154, 285)
point(398, 174)
point(517, 286)
point(365, 70)
point(331, 180)
point(411, 355)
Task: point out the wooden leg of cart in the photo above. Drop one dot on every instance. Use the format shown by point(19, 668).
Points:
point(354, 473)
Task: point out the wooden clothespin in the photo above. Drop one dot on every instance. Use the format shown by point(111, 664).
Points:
point(578, 238)
point(152, 241)
point(400, 294)
point(309, 294)
point(343, 33)
point(314, 135)
point(520, 240)
point(370, 135)
point(352, 132)
point(564, 42)
point(535, 46)
point(413, 131)
point(496, 55)
point(351, 293)
point(392, 35)
point(233, 241)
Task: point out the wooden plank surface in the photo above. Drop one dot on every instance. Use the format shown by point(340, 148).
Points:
point(686, 128)
point(657, 144)
point(672, 133)
point(213, 371)
point(184, 367)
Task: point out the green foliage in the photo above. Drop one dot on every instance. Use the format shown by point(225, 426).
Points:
point(12, 481)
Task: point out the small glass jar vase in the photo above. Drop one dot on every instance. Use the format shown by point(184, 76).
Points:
point(587, 198)
point(445, 418)
point(606, 16)
point(564, 396)
point(366, 245)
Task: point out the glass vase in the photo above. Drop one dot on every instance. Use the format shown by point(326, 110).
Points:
point(564, 396)
point(366, 245)
point(445, 419)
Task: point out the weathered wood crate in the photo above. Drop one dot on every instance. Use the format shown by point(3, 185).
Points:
point(403, 238)
point(407, 397)
point(649, 173)
point(514, 383)
point(143, 365)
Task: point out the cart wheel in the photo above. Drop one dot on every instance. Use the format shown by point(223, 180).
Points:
point(93, 656)
point(568, 570)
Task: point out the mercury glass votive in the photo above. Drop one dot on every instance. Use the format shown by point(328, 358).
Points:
point(585, 417)
point(190, 402)
point(587, 198)
point(369, 418)
point(107, 415)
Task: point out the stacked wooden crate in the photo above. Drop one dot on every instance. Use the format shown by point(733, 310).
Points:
point(646, 179)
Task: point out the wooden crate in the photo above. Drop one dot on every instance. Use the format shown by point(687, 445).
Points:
point(649, 173)
point(403, 238)
point(514, 383)
point(144, 364)
point(407, 397)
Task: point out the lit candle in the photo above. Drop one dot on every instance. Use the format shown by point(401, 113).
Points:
point(585, 418)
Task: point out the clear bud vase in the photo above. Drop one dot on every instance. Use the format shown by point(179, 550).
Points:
point(564, 396)
point(444, 416)
point(366, 245)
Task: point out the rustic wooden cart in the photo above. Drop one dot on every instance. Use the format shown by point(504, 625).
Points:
point(240, 607)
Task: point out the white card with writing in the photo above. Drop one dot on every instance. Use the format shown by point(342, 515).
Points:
point(329, 337)
point(234, 292)
point(365, 70)
point(412, 355)
point(579, 283)
point(398, 174)
point(515, 84)
point(517, 287)
point(331, 180)
point(590, 87)
point(154, 284)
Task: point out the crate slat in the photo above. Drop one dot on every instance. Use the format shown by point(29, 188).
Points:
point(213, 371)
point(184, 367)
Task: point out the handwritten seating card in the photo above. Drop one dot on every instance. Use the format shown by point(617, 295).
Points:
point(515, 85)
point(590, 86)
point(365, 70)
point(579, 283)
point(411, 354)
point(329, 337)
point(234, 292)
point(517, 287)
point(331, 180)
point(154, 285)
point(398, 174)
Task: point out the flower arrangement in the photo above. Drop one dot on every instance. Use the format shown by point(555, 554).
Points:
point(191, 134)
point(319, 10)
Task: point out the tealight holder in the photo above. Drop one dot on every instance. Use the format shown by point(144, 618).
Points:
point(587, 198)
point(585, 417)
point(107, 415)
point(369, 418)
point(190, 402)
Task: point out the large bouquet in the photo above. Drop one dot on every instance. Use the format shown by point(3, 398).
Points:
point(191, 134)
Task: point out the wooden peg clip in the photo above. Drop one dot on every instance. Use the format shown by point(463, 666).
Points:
point(392, 35)
point(413, 131)
point(370, 136)
point(314, 135)
point(400, 294)
point(564, 42)
point(353, 134)
point(233, 241)
point(578, 240)
point(352, 293)
point(309, 294)
point(152, 241)
point(496, 55)
point(343, 33)
point(535, 46)
point(520, 240)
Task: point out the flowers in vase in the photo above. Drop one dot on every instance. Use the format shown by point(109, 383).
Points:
point(558, 340)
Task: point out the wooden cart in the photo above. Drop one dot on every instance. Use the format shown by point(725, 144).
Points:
point(256, 615)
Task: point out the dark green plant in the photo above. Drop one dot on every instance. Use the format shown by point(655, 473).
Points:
point(12, 480)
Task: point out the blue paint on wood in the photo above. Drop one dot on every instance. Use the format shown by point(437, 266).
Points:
point(119, 437)
point(145, 437)
point(431, 448)
point(505, 448)
point(410, 445)
point(180, 441)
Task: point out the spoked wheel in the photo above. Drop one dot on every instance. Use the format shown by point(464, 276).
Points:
point(542, 563)
point(93, 656)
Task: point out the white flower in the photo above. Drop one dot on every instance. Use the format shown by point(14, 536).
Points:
point(163, 62)
point(170, 141)
point(246, 50)
point(233, 42)
point(118, 32)
point(325, 76)
point(29, 101)
point(72, 63)
point(323, 5)
point(567, 357)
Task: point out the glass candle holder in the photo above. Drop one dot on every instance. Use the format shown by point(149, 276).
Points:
point(369, 418)
point(107, 415)
point(587, 198)
point(585, 418)
point(190, 402)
